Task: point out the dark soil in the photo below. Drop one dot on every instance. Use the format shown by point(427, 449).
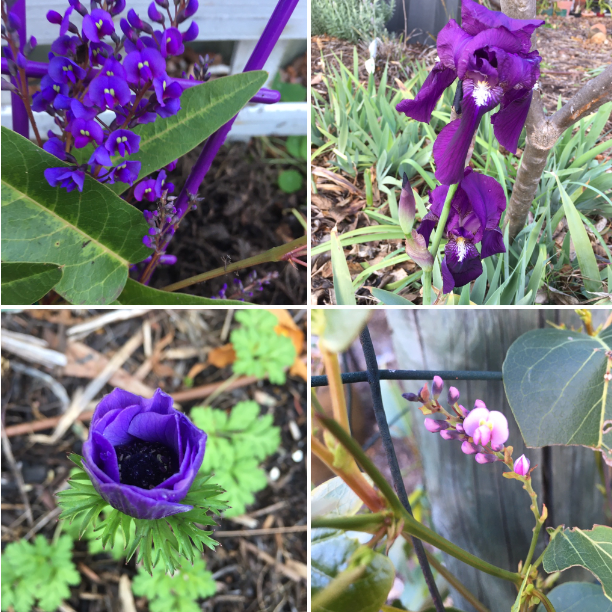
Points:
point(245, 580)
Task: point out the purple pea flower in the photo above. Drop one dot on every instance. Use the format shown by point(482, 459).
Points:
point(110, 87)
point(98, 25)
point(65, 23)
point(147, 190)
point(485, 427)
point(99, 52)
point(171, 42)
point(49, 90)
point(142, 455)
point(168, 109)
point(154, 14)
point(476, 210)
point(125, 172)
point(143, 66)
point(62, 70)
point(68, 178)
point(490, 56)
point(54, 17)
point(521, 466)
point(166, 90)
point(191, 9)
point(122, 142)
point(56, 147)
point(85, 131)
point(191, 33)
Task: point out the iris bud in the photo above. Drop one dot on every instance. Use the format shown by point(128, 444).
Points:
point(407, 207)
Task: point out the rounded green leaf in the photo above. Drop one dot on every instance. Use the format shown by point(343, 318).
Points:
point(578, 596)
point(554, 381)
point(26, 283)
point(290, 181)
point(93, 235)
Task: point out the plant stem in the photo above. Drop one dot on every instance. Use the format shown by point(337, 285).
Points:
point(323, 599)
point(549, 607)
point(411, 526)
point(435, 245)
point(398, 482)
point(275, 254)
point(221, 388)
point(336, 389)
point(276, 24)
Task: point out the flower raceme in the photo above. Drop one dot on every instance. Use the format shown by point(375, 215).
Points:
point(142, 455)
point(490, 55)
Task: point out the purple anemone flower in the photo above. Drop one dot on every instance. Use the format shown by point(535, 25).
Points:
point(476, 210)
point(143, 66)
point(110, 87)
point(97, 25)
point(122, 142)
point(490, 56)
point(171, 42)
point(68, 178)
point(142, 455)
point(62, 70)
point(85, 131)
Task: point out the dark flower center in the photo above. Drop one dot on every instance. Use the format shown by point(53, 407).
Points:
point(145, 464)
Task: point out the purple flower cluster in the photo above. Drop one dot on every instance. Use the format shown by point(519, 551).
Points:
point(490, 55)
point(482, 432)
point(94, 69)
point(241, 291)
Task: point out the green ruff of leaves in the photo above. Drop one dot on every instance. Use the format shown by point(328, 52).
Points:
point(260, 351)
point(235, 446)
point(40, 571)
point(179, 592)
point(164, 540)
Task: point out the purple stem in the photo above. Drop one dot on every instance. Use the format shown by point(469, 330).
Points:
point(21, 123)
point(37, 70)
point(274, 28)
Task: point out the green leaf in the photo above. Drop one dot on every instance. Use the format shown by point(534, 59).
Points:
point(554, 382)
point(578, 596)
point(94, 235)
point(338, 328)
point(582, 244)
point(591, 549)
point(290, 181)
point(334, 497)
point(26, 283)
point(390, 299)
point(297, 147)
point(204, 109)
point(135, 294)
point(333, 555)
point(343, 285)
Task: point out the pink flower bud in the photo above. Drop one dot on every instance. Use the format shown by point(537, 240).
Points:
point(437, 386)
point(453, 395)
point(407, 207)
point(479, 404)
point(521, 466)
point(463, 410)
point(424, 394)
point(482, 458)
point(468, 448)
point(435, 425)
point(451, 434)
point(459, 428)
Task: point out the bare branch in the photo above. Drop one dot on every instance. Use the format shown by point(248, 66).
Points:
point(588, 99)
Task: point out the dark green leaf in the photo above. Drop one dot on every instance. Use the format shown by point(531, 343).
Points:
point(578, 597)
point(26, 283)
point(137, 294)
point(94, 235)
point(389, 298)
point(591, 549)
point(554, 381)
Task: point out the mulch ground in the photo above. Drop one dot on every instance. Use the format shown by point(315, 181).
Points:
point(568, 51)
point(174, 344)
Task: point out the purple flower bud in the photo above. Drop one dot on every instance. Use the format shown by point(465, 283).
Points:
point(460, 428)
point(22, 62)
point(437, 386)
point(463, 410)
point(168, 260)
point(435, 425)
point(482, 458)
point(56, 147)
point(468, 448)
point(146, 240)
point(411, 397)
point(453, 395)
point(479, 404)
point(192, 8)
point(407, 207)
point(451, 434)
point(54, 17)
point(171, 166)
point(154, 14)
point(521, 466)
point(14, 22)
point(162, 3)
point(416, 249)
point(118, 7)
point(191, 33)
point(424, 394)
point(7, 86)
point(153, 231)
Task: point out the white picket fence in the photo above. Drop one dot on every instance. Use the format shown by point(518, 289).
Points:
point(241, 21)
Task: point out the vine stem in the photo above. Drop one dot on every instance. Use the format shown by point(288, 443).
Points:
point(435, 245)
point(547, 604)
point(383, 426)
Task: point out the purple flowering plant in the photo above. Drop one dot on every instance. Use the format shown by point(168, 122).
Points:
point(103, 200)
point(142, 457)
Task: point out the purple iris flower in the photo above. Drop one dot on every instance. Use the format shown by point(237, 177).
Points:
point(97, 25)
point(490, 56)
point(125, 172)
point(476, 210)
point(110, 87)
point(85, 131)
point(62, 70)
point(171, 42)
point(122, 142)
point(142, 455)
point(69, 178)
point(49, 90)
point(143, 66)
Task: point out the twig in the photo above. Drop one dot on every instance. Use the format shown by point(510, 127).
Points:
point(206, 390)
point(398, 482)
point(8, 453)
point(281, 567)
point(46, 518)
point(259, 532)
point(31, 349)
point(28, 428)
point(83, 329)
point(49, 381)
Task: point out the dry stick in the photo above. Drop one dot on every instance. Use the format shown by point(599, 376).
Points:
point(398, 482)
point(6, 445)
point(542, 132)
point(260, 532)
